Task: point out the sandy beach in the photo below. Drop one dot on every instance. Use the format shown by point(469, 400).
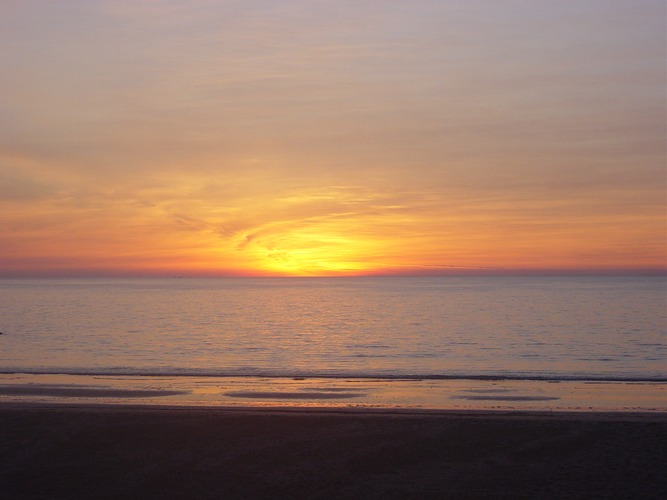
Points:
point(88, 451)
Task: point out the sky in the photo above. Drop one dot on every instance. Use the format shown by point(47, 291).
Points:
point(332, 137)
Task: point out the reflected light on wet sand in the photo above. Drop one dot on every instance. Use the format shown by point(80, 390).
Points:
point(459, 394)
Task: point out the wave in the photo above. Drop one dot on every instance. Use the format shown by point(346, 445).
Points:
point(299, 374)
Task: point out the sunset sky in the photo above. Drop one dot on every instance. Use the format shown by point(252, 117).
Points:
point(328, 137)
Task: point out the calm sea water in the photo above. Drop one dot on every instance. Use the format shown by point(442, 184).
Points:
point(530, 327)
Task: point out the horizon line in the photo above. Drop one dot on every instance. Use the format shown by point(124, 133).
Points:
point(451, 272)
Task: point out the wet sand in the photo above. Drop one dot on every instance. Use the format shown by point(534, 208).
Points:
point(60, 451)
point(446, 394)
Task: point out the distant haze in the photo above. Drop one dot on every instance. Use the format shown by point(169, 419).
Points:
point(334, 137)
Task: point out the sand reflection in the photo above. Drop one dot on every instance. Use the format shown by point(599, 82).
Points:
point(330, 394)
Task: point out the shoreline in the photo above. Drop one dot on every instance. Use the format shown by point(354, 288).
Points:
point(205, 374)
point(121, 451)
point(266, 392)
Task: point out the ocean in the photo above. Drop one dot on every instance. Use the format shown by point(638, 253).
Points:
point(555, 327)
point(604, 329)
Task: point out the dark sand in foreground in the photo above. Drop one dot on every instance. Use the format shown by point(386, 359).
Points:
point(148, 452)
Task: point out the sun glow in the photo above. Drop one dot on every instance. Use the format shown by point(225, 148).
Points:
point(309, 263)
point(308, 252)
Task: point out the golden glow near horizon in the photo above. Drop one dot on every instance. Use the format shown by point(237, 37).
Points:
point(331, 138)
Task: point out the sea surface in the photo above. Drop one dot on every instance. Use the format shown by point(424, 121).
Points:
point(498, 328)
